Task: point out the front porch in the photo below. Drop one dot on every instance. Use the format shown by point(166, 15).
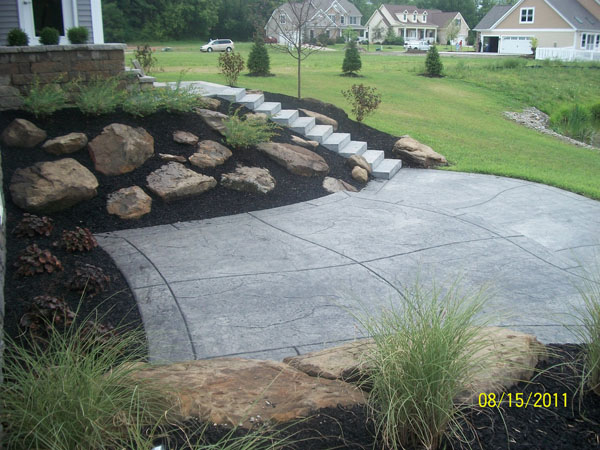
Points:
point(418, 34)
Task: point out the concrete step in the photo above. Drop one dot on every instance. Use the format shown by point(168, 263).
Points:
point(303, 125)
point(387, 168)
point(353, 148)
point(232, 94)
point(269, 108)
point(319, 133)
point(373, 157)
point(285, 117)
point(252, 101)
point(336, 141)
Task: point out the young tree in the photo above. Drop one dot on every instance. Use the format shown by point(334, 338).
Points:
point(452, 31)
point(364, 100)
point(352, 62)
point(433, 63)
point(231, 65)
point(259, 62)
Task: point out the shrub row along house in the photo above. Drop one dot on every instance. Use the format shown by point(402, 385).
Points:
point(567, 24)
point(412, 23)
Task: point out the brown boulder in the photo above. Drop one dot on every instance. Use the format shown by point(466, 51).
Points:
point(213, 119)
point(48, 187)
point(360, 174)
point(22, 133)
point(333, 185)
point(184, 137)
point(249, 179)
point(304, 143)
point(173, 181)
point(63, 145)
point(120, 149)
point(321, 119)
point(168, 157)
point(412, 151)
point(360, 161)
point(129, 203)
point(235, 391)
point(210, 103)
point(210, 154)
point(296, 159)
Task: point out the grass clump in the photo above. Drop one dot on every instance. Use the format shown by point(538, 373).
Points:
point(99, 96)
point(142, 103)
point(75, 392)
point(245, 132)
point(177, 98)
point(574, 121)
point(44, 99)
point(421, 362)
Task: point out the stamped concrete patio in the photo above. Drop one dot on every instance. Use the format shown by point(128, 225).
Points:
point(286, 281)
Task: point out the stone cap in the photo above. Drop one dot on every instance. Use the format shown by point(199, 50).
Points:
point(60, 48)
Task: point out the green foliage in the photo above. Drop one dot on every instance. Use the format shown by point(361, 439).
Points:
point(230, 66)
point(78, 35)
point(595, 112)
point(323, 40)
point(534, 44)
point(76, 392)
point(506, 63)
point(99, 96)
point(573, 121)
point(259, 62)
point(142, 103)
point(352, 62)
point(364, 100)
point(17, 37)
point(340, 40)
point(247, 131)
point(43, 100)
point(178, 99)
point(145, 55)
point(49, 36)
point(422, 360)
point(433, 63)
point(392, 39)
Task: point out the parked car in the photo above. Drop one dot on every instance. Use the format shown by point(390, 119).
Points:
point(218, 45)
point(270, 40)
point(417, 45)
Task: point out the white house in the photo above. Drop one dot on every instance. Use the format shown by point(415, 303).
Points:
point(33, 15)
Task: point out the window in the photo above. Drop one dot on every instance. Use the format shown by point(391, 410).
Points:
point(415, 16)
point(353, 20)
point(282, 18)
point(425, 17)
point(457, 22)
point(342, 20)
point(526, 15)
point(590, 41)
point(332, 17)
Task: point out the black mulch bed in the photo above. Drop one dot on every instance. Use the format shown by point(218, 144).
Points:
point(531, 428)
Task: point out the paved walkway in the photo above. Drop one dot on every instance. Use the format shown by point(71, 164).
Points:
point(280, 282)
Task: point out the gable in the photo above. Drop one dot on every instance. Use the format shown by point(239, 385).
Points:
point(544, 17)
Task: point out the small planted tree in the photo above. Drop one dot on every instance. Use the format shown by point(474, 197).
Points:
point(259, 63)
point(231, 65)
point(364, 100)
point(352, 62)
point(433, 63)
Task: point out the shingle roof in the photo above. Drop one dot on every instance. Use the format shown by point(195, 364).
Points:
point(399, 9)
point(348, 6)
point(492, 17)
point(441, 19)
point(435, 16)
point(576, 14)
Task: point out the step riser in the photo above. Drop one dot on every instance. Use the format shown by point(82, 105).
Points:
point(373, 157)
point(387, 169)
point(253, 104)
point(269, 109)
point(285, 121)
point(233, 95)
point(350, 150)
point(337, 146)
point(319, 134)
point(303, 129)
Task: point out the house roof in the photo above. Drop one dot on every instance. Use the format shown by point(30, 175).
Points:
point(441, 19)
point(493, 16)
point(350, 8)
point(316, 6)
point(399, 9)
point(436, 17)
point(576, 14)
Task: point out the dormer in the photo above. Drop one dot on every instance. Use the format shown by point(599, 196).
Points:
point(424, 20)
point(405, 16)
point(415, 15)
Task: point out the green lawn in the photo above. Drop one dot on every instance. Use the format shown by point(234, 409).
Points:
point(459, 116)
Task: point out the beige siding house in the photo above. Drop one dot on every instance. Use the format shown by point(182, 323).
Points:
point(554, 23)
point(413, 23)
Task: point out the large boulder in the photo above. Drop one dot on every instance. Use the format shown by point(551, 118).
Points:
point(249, 179)
point(360, 161)
point(64, 145)
point(129, 203)
point(296, 159)
point(333, 185)
point(321, 119)
point(47, 187)
point(121, 149)
point(412, 151)
point(210, 154)
point(234, 391)
point(22, 133)
point(213, 119)
point(174, 181)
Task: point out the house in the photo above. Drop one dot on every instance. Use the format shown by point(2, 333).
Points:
point(329, 17)
point(33, 15)
point(414, 23)
point(571, 24)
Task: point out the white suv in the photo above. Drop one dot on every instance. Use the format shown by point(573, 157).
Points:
point(218, 45)
point(417, 45)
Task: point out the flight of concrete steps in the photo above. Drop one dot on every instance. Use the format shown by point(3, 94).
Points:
point(340, 143)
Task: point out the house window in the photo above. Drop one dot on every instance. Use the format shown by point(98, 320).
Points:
point(342, 20)
point(526, 15)
point(415, 16)
point(282, 19)
point(457, 22)
point(405, 17)
point(425, 17)
point(353, 20)
point(590, 41)
point(332, 17)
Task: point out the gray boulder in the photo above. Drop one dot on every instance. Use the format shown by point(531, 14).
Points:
point(129, 203)
point(22, 133)
point(249, 179)
point(210, 154)
point(296, 159)
point(333, 185)
point(173, 181)
point(213, 119)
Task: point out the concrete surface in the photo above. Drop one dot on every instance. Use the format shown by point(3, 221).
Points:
point(285, 281)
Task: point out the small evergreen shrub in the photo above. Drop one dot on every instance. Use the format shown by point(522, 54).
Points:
point(230, 65)
point(43, 100)
point(142, 103)
point(178, 99)
point(433, 63)
point(392, 39)
point(364, 100)
point(17, 37)
point(99, 96)
point(49, 36)
point(352, 62)
point(259, 62)
point(78, 35)
point(248, 131)
point(573, 121)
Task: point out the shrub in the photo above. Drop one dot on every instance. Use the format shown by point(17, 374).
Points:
point(99, 96)
point(392, 39)
point(78, 35)
point(323, 40)
point(231, 65)
point(145, 56)
point(433, 63)
point(573, 121)
point(258, 60)
point(595, 112)
point(44, 100)
point(88, 279)
point(352, 62)
point(78, 240)
point(17, 37)
point(248, 131)
point(32, 225)
point(178, 98)
point(142, 103)
point(422, 360)
point(49, 36)
point(364, 100)
point(340, 40)
point(34, 260)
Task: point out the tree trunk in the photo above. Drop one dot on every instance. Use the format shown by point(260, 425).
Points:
point(299, 79)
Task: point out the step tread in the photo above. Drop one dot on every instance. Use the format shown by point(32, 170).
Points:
point(336, 138)
point(353, 148)
point(285, 114)
point(387, 168)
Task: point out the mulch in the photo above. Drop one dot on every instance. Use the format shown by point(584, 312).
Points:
point(528, 428)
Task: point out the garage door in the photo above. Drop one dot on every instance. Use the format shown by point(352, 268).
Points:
point(520, 45)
